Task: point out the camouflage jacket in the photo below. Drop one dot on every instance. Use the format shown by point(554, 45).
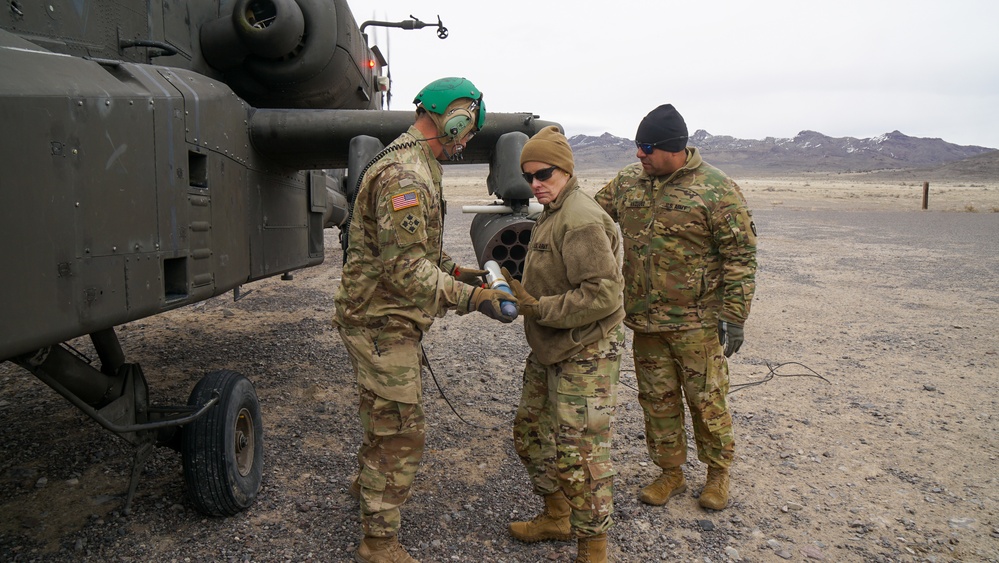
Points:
point(689, 246)
point(573, 268)
point(394, 256)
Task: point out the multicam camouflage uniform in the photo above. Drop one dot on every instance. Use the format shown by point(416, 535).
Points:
point(562, 431)
point(689, 260)
point(392, 287)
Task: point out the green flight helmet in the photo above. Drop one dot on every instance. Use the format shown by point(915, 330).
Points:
point(437, 96)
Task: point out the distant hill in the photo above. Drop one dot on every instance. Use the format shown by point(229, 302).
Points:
point(979, 168)
point(807, 152)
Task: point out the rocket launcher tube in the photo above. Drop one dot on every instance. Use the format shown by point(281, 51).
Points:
point(495, 279)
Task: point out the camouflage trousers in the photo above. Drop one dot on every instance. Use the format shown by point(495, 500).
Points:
point(688, 363)
point(562, 433)
point(394, 435)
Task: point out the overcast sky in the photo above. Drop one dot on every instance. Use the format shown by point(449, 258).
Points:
point(749, 69)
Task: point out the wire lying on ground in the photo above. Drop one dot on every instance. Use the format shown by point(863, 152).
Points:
point(426, 363)
point(772, 373)
point(733, 388)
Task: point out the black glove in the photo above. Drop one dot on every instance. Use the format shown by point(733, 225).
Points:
point(471, 276)
point(487, 302)
point(730, 336)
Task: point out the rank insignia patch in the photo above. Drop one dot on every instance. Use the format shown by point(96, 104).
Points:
point(402, 201)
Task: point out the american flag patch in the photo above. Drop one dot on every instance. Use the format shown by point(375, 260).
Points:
point(402, 201)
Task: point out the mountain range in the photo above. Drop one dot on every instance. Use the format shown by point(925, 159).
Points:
point(891, 154)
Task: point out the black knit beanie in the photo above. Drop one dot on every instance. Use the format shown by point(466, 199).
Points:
point(664, 127)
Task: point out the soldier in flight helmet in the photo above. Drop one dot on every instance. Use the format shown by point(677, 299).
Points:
point(455, 106)
point(396, 280)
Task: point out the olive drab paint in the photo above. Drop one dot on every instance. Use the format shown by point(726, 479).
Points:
point(154, 157)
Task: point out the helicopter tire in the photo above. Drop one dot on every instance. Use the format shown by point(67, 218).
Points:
point(223, 451)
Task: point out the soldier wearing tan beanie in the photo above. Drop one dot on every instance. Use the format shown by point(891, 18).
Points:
point(572, 303)
point(548, 145)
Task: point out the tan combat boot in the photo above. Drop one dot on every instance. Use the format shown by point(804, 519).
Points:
point(667, 486)
point(715, 492)
point(592, 549)
point(551, 524)
point(382, 550)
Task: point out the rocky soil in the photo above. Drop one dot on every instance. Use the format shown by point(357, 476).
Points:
point(864, 399)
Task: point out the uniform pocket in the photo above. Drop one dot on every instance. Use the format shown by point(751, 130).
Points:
point(373, 486)
point(601, 470)
point(586, 395)
point(395, 361)
point(740, 234)
point(579, 379)
point(371, 479)
point(599, 414)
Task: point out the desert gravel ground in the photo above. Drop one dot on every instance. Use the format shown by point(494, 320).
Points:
point(889, 456)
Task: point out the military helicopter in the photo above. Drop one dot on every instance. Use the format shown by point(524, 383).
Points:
point(163, 153)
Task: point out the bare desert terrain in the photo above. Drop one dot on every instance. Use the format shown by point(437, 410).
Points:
point(865, 404)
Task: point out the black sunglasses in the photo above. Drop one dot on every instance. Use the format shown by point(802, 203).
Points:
point(542, 175)
point(647, 148)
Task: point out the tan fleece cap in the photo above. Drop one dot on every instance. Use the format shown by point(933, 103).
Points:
point(549, 146)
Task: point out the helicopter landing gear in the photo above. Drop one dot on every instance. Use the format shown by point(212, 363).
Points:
point(223, 451)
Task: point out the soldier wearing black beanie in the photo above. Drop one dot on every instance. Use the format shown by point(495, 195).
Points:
point(690, 277)
point(663, 128)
